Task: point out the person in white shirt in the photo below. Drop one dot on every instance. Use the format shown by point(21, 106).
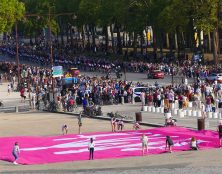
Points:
point(144, 140)
point(142, 98)
point(16, 152)
point(91, 149)
point(193, 144)
point(33, 99)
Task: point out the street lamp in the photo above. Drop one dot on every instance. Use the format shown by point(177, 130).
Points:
point(17, 53)
point(50, 40)
point(172, 75)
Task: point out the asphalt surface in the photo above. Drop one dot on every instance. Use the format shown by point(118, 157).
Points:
point(135, 77)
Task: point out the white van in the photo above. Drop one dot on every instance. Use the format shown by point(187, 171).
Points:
point(137, 91)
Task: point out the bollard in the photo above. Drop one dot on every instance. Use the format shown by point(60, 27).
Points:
point(133, 100)
point(122, 100)
point(190, 104)
point(207, 124)
point(209, 114)
point(199, 114)
point(145, 108)
point(176, 104)
point(138, 116)
point(175, 111)
point(17, 109)
point(215, 115)
point(149, 108)
point(162, 110)
point(185, 112)
point(162, 103)
point(189, 113)
point(168, 115)
point(199, 105)
point(157, 110)
point(180, 113)
point(153, 109)
point(200, 123)
point(217, 102)
point(194, 113)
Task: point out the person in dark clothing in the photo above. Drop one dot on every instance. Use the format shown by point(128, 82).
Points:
point(91, 149)
point(169, 144)
point(219, 129)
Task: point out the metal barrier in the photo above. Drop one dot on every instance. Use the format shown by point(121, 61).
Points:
point(12, 109)
point(9, 109)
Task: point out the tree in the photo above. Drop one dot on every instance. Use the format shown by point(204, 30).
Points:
point(88, 14)
point(206, 17)
point(10, 12)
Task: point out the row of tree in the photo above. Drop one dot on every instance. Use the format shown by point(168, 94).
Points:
point(174, 22)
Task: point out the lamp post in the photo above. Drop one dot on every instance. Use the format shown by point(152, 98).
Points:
point(17, 51)
point(51, 54)
point(50, 41)
point(172, 75)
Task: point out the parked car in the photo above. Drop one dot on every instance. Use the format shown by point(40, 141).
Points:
point(214, 77)
point(137, 91)
point(156, 74)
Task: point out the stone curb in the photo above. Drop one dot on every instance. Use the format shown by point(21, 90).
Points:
point(107, 118)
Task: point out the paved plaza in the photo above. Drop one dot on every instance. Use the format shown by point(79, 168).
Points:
point(49, 124)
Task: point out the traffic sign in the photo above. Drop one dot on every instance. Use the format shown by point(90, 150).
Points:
point(57, 71)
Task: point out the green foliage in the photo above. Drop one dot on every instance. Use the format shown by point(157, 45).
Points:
point(89, 11)
point(10, 12)
point(132, 16)
point(173, 16)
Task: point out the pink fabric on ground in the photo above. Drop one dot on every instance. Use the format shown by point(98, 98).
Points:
point(40, 150)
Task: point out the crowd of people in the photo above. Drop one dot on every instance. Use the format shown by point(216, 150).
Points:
point(37, 84)
point(39, 55)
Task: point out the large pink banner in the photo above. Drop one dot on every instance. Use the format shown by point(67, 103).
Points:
point(40, 150)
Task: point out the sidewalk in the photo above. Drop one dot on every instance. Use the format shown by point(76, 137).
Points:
point(150, 118)
point(12, 99)
point(128, 110)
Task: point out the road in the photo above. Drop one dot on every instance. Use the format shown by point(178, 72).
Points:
point(135, 77)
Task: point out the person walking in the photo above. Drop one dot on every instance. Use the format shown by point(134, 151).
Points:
point(219, 130)
point(113, 124)
point(16, 152)
point(91, 149)
point(169, 144)
point(80, 122)
point(9, 89)
point(144, 140)
point(64, 129)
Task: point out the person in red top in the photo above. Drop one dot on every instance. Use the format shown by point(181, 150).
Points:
point(180, 100)
point(22, 94)
point(150, 99)
point(208, 104)
point(71, 103)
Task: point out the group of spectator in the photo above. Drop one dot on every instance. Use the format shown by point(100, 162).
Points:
point(95, 90)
